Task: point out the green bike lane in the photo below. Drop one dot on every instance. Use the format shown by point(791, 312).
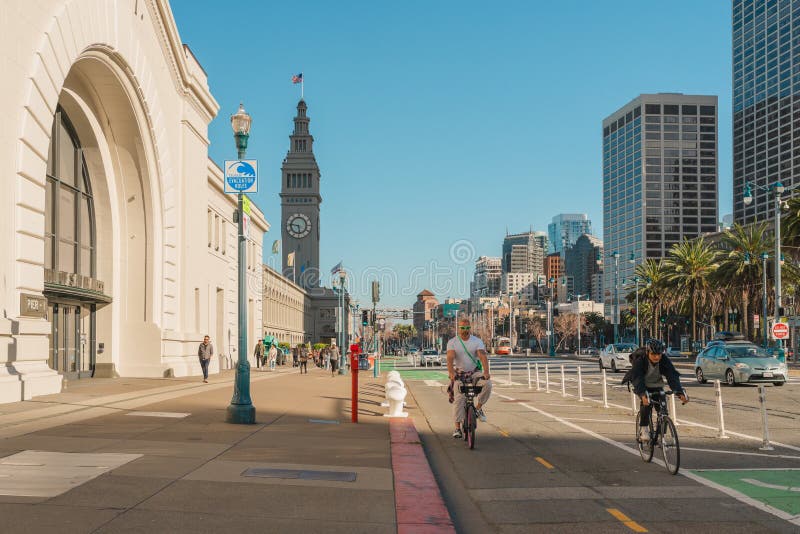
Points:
point(547, 463)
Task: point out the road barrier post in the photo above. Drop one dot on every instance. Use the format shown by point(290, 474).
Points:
point(563, 383)
point(580, 385)
point(538, 386)
point(762, 400)
point(605, 391)
point(720, 417)
point(529, 375)
point(509, 374)
point(547, 378)
point(672, 409)
point(634, 404)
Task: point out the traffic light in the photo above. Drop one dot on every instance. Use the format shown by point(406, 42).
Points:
point(371, 319)
point(405, 315)
point(364, 317)
point(663, 319)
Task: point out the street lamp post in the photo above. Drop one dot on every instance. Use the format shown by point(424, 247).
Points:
point(764, 257)
point(241, 409)
point(777, 189)
point(616, 298)
point(632, 261)
point(551, 336)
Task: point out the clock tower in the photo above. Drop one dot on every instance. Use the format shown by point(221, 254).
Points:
point(300, 200)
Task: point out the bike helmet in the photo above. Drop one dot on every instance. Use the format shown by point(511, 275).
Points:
point(656, 346)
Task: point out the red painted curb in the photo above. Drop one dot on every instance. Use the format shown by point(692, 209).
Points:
point(418, 502)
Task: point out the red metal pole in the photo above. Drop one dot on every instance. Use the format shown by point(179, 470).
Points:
point(354, 383)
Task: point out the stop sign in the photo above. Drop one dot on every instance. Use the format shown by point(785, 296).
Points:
point(780, 331)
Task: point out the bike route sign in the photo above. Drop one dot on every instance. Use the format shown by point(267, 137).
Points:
point(241, 176)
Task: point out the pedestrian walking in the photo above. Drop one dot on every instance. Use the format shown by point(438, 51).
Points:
point(334, 358)
point(303, 357)
point(204, 353)
point(259, 353)
point(295, 351)
point(272, 355)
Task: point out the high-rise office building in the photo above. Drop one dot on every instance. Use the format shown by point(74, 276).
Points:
point(766, 102)
point(659, 178)
point(584, 259)
point(524, 253)
point(487, 278)
point(565, 229)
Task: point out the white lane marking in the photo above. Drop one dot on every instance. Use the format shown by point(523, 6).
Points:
point(739, 453)
point(433, 383)
point(630, 450)
point(596, 420)
point(760, 484)
point(175, 415)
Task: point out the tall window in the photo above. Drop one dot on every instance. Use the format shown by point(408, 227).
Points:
point(70, 239)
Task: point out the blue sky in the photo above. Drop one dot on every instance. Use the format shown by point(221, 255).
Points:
point(438, 125)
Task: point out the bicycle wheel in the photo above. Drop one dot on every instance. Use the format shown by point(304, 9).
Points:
point(670, 448)
point(470, 423)
point(646, 447)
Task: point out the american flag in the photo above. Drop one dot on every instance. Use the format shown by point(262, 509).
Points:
point(297, 78)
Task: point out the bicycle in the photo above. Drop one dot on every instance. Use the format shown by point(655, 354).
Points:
point(470, 390)
point(661, 433)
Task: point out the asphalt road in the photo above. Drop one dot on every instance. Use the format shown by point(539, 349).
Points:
point(547, 462)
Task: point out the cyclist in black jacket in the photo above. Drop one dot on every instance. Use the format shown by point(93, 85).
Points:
point(647, 376)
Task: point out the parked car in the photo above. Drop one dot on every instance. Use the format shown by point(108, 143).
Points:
point(616, 356)
point(431, 357)
point(590, 351)
point(738, 362)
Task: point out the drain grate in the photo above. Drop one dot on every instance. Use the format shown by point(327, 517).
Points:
point(300, 474)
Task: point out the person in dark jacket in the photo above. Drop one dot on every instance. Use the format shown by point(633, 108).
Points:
point(647, 376)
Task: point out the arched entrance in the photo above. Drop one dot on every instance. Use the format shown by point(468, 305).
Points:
point(102, 219)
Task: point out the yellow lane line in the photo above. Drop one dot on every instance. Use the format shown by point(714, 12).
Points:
point(544, 462)
point(625, 520)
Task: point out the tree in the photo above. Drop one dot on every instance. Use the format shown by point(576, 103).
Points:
point(566, 326)
point(653, 295)
point(537, 329)
point(405, 332)
point(690, 266)
point(741, 267)
point(595, 324)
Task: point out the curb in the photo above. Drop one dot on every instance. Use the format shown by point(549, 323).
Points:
point(418, 502)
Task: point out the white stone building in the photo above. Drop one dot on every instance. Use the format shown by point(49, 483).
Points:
point(106, 178)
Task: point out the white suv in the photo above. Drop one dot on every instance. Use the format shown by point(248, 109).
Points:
point(430, 357)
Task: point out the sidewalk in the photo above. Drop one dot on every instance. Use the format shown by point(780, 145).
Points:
point(157, 456)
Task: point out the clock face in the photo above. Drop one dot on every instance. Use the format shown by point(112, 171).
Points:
point(298, 225)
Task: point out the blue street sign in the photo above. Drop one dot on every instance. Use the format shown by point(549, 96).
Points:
point(241, 176)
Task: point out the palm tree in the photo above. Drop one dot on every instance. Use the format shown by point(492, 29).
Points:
point(690, 266)
point(741, 267)
point(653, 295)
point(790, 228)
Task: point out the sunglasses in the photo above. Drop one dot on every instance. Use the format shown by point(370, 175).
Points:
point(464, 327)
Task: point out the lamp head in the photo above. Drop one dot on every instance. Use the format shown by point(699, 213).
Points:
point(241, 121)
point(779, 188)
point(747, 197)
point(632, 258)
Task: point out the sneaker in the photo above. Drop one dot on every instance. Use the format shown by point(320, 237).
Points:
point(480, 414)
point(457, 434)
point(205, 381)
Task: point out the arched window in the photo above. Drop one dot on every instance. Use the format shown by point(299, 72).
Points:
point(70, 237)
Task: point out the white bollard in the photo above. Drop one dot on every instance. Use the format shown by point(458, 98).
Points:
point(720, 417)
point(395, 396)
point(547, 378)
point(538, 387)
point(580, 385)
point(563, 383)
point(510, 382)
point(529, 375)
point(762, 400)
point(634, 404)
point(605, 391)
point(672, 409)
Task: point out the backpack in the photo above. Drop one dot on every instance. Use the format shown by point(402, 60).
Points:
point(635, 356)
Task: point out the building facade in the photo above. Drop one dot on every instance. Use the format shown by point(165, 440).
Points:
point(584, 260)
point(104, 156)
point(288, 314)
point(659, 177)
point(565, 229)
point(766, 102)
point(487, 278)
point(524, 253)
point(424, 310)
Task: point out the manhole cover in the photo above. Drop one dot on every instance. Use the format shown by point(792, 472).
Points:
point(300, 474)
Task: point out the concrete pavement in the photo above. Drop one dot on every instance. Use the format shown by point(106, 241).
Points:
point(138, 455)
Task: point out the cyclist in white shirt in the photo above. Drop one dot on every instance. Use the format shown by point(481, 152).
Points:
point(467, 354)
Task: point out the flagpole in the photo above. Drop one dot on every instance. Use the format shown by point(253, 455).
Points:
point(302, 87)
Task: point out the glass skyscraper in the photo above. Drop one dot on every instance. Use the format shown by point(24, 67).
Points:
point(565, 229)
point(659, 178)
point(766, 101)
